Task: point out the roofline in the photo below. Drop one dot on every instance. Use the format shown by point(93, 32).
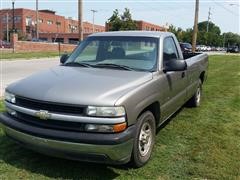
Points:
point(33, 10)
point(142, 21)
point(156, 34)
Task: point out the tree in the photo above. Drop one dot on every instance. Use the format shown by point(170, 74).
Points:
point(230, 39)
point(114, 21)
point(212, 38)
point(182, 36)
point(202, 27)
point(122, 22)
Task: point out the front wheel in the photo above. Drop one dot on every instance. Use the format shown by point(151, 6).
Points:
point(144, 139)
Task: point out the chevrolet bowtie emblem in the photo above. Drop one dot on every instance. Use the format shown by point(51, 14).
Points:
point(44, 115)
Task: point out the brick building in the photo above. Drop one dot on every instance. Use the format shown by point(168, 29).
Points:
point(52, 27)
point(144, 26)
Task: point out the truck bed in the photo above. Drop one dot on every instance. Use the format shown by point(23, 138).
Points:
point(190, 55)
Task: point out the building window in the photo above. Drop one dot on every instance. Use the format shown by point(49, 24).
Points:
point(17, 19)
point(72, 28)
point(40, 20)
point(4, 19)
point(28, 30)
point(28, 21)
point(49, 22)
point(58, 23)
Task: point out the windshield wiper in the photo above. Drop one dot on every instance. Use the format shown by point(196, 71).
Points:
point(117, 66)
point(78, 64)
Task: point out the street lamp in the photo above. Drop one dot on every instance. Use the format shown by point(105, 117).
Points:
point(13, 17)
point(93, 11)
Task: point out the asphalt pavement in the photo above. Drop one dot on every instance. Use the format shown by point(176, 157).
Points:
point(14, 70)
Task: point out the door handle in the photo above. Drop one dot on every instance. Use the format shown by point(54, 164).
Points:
point(183, 74)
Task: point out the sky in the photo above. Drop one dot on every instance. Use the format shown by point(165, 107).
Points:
point(180, 13)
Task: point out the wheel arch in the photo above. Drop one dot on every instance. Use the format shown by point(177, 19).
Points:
point(154, 108)
point(202, 76)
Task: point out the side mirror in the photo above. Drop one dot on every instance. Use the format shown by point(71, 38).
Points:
point(64, 58)
point(175, 65)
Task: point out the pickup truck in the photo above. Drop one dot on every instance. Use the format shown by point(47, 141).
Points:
point(105, 100)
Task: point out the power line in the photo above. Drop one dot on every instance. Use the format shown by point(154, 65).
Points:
point(222, 6)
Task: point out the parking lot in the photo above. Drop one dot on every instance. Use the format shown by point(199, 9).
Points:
point(15, 70)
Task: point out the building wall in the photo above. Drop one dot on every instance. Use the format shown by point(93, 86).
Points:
point(28, 46)
point(64, 37)
point(3, 20)
point(49, 22)
point(143, 26)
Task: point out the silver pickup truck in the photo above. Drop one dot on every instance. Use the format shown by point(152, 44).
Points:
point(105, 101)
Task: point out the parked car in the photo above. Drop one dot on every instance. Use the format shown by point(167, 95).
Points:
point(202, 48)
point(4, 44)
point(208, 48)
point(213, 48)
point(38, 40)
point(186, 47)
point(233, 49)
point(106, 100)
point(198, 48)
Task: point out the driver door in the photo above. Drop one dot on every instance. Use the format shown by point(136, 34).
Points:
point(176, 80)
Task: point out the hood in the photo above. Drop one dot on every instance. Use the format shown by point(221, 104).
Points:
point(77, 85)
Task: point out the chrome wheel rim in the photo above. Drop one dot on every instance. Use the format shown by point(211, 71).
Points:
point(198, 97)
point(145, 139)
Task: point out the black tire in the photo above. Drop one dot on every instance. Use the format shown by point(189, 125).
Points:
point(139, 156)
point(195, 100)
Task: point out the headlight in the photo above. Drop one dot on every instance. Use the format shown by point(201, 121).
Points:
point(106, 128)
point(106, 111)
point(9, 97)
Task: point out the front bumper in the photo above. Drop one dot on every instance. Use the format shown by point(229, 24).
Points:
point(91, 147)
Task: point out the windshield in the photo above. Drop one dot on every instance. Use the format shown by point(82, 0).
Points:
point(131, 53)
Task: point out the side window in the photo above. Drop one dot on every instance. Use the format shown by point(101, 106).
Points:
point(169, 50)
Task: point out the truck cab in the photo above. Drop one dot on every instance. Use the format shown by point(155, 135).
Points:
point(105, 100)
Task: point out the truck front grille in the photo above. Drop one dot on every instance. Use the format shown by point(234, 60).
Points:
point(50, 124)
point(50, 106)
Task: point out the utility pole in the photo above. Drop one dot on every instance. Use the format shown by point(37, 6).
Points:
point(195, 29)
point(13, 16)
point(7, 28)
point(37, 31)
point(209, 17)
point(80, 20)
point(94, 11)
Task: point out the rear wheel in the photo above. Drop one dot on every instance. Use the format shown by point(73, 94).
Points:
point(144, 139)
point(195, 101)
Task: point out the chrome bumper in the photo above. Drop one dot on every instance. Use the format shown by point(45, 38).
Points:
point(114, 154)
point(70, 118)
